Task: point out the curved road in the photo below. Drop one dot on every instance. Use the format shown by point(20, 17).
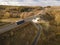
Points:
point(38, 35)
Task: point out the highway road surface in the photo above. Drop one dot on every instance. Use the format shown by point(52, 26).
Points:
point(8, 27)
point(13, 25)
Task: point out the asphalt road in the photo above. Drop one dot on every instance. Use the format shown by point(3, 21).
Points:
point(7, 27)
point(37, 35)
point(13, 25)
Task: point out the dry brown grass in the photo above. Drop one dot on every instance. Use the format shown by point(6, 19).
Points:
point(8, 11)
point(22, 35)
point(51, 36)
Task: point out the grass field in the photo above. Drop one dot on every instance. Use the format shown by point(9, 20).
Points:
point(3, 23)
point(10, 20)
point(51, 36)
